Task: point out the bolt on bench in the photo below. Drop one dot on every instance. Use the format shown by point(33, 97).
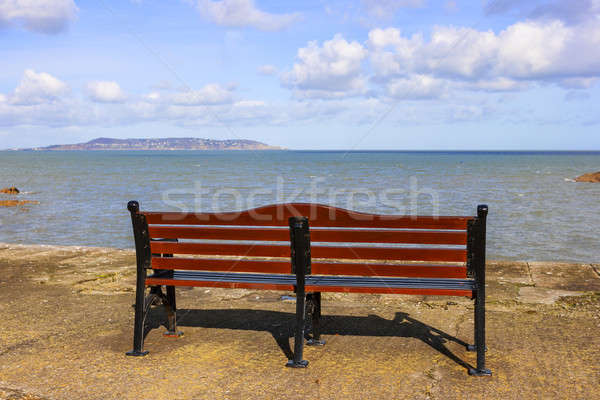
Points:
point(308, 248)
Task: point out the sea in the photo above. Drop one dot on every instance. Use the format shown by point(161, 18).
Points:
point(536, 210)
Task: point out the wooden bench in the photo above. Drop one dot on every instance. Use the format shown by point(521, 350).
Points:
point(273, 248)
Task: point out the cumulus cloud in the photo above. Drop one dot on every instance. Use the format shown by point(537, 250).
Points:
point(244, 13)
point(331, 70)
point(153, 96)
point(417, 87)
point(43, 16)
point(267, 70)
point(578, 83)
point(210, 94)
point(105, 92)
point(530, 50)
point(36, 88)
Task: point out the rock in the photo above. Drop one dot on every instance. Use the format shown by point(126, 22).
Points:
point(15, 203)
point(10, 190)
point(593, 177)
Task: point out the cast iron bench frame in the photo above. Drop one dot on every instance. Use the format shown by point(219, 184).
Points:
point(158, 237)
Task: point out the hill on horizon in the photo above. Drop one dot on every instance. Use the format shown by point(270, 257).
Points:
point(188, 143)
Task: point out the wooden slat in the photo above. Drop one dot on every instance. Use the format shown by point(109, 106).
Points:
point(388, 253)
point(317, 235)
point(310, 288)
point(387, 236)
point(409, 271)
point(318, 268)
point(318, 214)
point(196, 264)
point(249, 250)
point(382, 290)
point(218, 233)
point(231, 285)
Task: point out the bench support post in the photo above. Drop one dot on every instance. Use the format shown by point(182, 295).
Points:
point(300, 256)
point(142, 251)
point(479, 269)
point(171, 309)
point(314, 301)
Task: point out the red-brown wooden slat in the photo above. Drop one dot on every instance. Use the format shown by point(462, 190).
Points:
point(232, 285)
point(250, 250)
point(383, 290)
point(218, 233)
point(386, 236)
point(409, 271)
point(272, 267)
point(388, 253)
point(318, 214)
point(317, 235)
point(318, 268)
point(309, 288)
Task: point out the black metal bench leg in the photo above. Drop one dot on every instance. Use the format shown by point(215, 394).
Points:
point(300, 256)
point(477, 254)
point(140, 316)
point(480, 340)
point(171, 307)
point(297, 361)
point(473, 347)
point(315, 340)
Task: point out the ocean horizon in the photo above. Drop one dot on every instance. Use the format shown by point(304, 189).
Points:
point(536, 212)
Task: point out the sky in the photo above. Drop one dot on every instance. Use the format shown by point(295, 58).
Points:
point(313, 74)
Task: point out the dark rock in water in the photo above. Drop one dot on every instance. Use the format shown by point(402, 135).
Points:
point(16, 203)
point(10, 190)
point(591, 177)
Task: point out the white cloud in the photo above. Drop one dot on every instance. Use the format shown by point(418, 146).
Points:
point(105, 92)
point(210, 94)
point(331, 70)
point(244, 13)
point(530, 50)
point(36, 88)
point(578, 83)
point(152, 96)
point(267, 69)
point(249, 103)
point(44, 16)
point(417, 87)
point(387, 8)
point(496, 85)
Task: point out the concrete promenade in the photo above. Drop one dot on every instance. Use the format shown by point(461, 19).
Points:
point(68, 320)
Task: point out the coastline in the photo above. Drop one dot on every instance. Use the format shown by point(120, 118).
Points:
point(68, 322)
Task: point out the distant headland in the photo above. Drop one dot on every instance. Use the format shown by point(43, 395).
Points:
point(161, 144)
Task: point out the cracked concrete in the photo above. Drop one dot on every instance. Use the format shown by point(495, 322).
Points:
point(68, 321)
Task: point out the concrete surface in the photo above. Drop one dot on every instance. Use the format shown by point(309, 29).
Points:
point(68, 322)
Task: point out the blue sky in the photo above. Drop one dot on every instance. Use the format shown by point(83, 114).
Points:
point(388, 74)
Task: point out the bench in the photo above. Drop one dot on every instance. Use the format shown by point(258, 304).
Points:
point(310, 249)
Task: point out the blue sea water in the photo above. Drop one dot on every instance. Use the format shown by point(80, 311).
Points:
point(536, 211)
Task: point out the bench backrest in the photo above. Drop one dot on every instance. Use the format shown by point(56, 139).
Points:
point(342, 242)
